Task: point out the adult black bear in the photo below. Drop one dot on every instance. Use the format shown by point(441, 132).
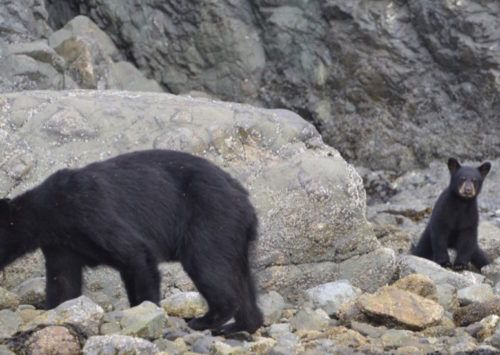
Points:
point(133, 211)
point(454, 220)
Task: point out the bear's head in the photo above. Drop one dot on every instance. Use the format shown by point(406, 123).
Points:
point(466, 181)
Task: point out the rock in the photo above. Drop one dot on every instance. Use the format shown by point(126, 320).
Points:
point(391, 305)
point(221, 348)
point(80, 312)
point(419, 284)
point(203, 344)
point(371, 271)
point(146, 320)
point(32, 291)
point(185, 305)
point(351, 311)
point(475, 293)
point(6, 351)
point(474, 312)
point(271, 304)
point(495, 339)
point(307, 319)
point(484, 328)
point(28, 313)
point(409, 264)
point(53, 340)
point(118, 344)
point(332, 295)
point(278, 329)
point(260, 345)
point(447, 297)
point(8, 299)
point(368, 330)
point(310, 202)
point(9, 323)
point(396, 338)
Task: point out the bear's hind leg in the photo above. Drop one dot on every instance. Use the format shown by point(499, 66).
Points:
point(63, 275)
point(214, 279)
point(479, 258)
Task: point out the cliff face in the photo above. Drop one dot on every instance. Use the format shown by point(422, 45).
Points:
point(391, 84)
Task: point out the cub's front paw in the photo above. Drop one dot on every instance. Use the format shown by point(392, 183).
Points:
point(460, 267)
point(446, 265)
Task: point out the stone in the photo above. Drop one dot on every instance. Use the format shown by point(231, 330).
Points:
point(391, 305)
point(260, 345)
point(396, 338)
point(332, 295)
point(409, 264)
point(32, 291)
point(419, 284)
point(8, 299)
point(307, 319)
point(221, 348)
point(447, 297)
point(118, 344)
point(475, 293)
point(185, 305)
point(277, 329)
point(271, 304)
point(53, 340)
point(80, 312)
point(474, 312)
point(484, 328)
point(9, 323)
point(146, 320)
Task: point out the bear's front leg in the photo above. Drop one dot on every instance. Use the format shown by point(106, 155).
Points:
point(439, 241)
point(63, 275)
point(466, 246)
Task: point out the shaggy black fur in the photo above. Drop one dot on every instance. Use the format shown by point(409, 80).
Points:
point(455, 219)
point(132, 212)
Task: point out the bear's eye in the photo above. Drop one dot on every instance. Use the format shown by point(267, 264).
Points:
point(462, 178)
point(474, 180)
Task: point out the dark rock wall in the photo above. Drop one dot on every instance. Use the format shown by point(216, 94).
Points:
point(391, 84)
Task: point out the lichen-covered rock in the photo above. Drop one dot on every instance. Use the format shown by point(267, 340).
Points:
point(310, 202)
point(307, 319)
point(146, 320)
point(53, 340)
point(185, 305)
point(80, 312)
point(118, 344)
point(390, 305)
point(474, 312)
point(9, 323)
point(419, 284)
point(32, 291)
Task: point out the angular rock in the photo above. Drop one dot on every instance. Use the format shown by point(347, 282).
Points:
point(118, 344)
point(185, 305)
point(419, 284)
point(447, 297)
point(260, 345)
point(53, 340)
point(484, 328)
point(332, 295)
point(474, 312)
point(271, 304)
point(391, 305)
point(475, 293)
point(146, 320)
point(80, 312)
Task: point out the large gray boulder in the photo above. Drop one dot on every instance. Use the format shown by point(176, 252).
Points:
point(310, 202)
point(391, 84)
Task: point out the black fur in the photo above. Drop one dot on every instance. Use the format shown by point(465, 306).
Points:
point(132, 212)
point(454, 220)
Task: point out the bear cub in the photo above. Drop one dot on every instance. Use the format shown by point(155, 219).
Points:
point(133, 211)
point(454, 220)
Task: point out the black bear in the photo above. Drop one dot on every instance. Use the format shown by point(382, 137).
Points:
point(133, 211)
point(454, 220)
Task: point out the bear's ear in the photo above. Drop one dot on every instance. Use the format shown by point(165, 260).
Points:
point(453, 165)
point(484, 169)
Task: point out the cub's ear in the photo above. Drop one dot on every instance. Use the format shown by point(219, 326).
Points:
point(453, 165)
point(484, 169)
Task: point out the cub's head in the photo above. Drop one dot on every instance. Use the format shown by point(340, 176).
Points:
point(466, 181)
